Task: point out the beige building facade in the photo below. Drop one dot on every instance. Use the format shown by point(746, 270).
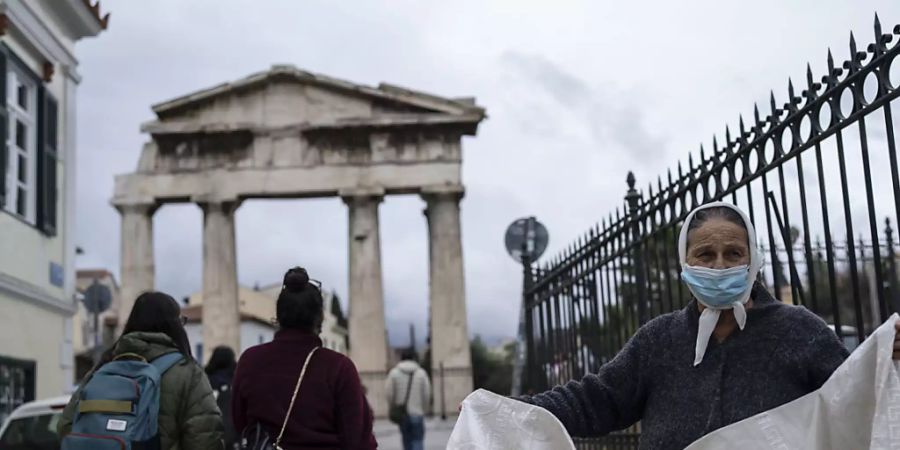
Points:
point(37, 187)
point(257, 311)
point(289, 133)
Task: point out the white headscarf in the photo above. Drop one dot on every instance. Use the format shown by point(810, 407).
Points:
point(710, 316)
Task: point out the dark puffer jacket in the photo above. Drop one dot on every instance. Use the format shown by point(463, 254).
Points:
point(188, 416)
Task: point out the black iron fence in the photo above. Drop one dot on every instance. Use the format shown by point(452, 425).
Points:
point(817, 175)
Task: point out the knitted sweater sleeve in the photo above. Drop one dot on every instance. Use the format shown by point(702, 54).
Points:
point(826, 354)
point(611, 399)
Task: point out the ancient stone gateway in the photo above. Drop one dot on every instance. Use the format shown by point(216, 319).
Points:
point(287, 133)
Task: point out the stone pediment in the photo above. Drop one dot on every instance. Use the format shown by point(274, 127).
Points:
point(288, 97)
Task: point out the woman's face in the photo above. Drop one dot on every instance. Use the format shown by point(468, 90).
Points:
point(718, 244)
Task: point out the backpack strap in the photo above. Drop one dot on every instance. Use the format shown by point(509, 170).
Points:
point(165, 362)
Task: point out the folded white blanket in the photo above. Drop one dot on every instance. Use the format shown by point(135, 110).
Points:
point(491, 421)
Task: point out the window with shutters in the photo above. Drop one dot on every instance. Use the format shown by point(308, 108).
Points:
point(29, 122)
point(22, 117)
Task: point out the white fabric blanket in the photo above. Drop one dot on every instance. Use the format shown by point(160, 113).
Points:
point(857, 408)
point(491, 421)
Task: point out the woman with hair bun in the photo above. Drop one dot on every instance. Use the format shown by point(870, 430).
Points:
point(325, 407)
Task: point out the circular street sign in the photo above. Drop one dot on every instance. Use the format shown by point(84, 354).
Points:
point(97, 298)
point(526, 237)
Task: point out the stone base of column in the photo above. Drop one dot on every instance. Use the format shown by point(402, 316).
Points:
point(373, 382)
point(450, 390)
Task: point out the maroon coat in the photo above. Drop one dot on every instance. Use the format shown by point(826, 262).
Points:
point(330, 412)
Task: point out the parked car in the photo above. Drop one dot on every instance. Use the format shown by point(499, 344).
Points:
point(32, 426)
point(848, 336)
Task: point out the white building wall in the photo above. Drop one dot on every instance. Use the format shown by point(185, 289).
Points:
point(35, 313)
point(255, 333)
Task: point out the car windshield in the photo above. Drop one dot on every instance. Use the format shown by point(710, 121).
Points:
point(31, 433)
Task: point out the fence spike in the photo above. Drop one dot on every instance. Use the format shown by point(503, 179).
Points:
point(812, 88)
point(830, 79)
point(877, 28)
point(727, 135)
point(741, 128)
point(691, 162)
point(758, 126)
point(702, 155)
point(680, 172)
point(791, 90)
point(855, 56)
point(775, 112)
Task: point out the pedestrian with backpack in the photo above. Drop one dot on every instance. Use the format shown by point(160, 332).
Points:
point(409, 395)
point(147, 392)
point(220, 371)
point(291, 393)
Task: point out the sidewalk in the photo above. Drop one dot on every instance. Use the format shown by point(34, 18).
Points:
point(437, 433)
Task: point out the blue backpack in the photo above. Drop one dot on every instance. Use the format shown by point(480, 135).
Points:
point(118, 408)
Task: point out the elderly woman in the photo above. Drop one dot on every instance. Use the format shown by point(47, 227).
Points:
point(731, 353)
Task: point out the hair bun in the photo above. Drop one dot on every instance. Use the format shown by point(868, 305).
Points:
point(296, 279)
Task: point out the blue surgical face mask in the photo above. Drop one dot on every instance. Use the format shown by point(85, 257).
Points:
point(717, 288)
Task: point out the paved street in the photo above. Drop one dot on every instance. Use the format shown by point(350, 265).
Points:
point(437, 433)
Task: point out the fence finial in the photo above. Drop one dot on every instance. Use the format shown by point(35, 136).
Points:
point(853, 64)
point(812, 88)
point(758, 126)
point(775, 111)
point(630, 179)
point(793, 100)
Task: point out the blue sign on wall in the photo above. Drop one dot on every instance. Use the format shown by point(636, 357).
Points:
point(57, 275)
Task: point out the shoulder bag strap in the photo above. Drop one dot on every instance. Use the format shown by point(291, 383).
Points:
point(293, 398)
point(409, 388)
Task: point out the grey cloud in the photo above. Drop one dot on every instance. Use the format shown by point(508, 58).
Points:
point(611, 115)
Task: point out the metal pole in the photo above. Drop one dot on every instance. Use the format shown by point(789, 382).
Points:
point(637, 257)
point(443, 397)
point(97, 349)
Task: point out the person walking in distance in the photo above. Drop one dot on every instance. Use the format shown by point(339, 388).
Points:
point(409, 394)
point(220, 371)
point(293, 394)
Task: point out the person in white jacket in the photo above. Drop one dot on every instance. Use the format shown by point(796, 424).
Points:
point(408, 383)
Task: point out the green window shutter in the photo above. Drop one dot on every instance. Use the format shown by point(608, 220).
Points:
point(48, 138)
point(4, 124)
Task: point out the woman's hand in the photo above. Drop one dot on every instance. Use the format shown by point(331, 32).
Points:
point(897, 342)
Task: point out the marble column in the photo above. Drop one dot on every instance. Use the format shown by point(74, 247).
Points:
point(221, 313)
point(368, 338)
point(449, 328)
point(137, 274)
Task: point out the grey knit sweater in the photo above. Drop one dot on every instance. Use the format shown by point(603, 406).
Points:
point(783, 353)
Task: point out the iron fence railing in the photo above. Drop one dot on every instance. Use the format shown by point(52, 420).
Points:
point(812, 174)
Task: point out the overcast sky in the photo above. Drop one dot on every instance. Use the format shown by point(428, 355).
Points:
point(577, 94)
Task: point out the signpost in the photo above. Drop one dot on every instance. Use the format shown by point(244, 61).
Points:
point(526, 240)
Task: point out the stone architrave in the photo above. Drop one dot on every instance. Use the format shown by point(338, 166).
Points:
point(289, 133)
point(221, 312)
point(136, 255)
point(368, 343)
point(447, 292)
